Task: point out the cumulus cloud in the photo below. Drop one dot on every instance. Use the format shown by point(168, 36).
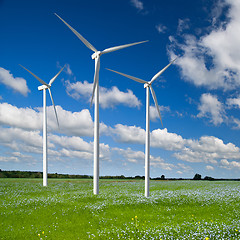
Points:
point(161, 138)
point(108, 98)
point(18, 84)
point(128, 134)
point(212, 60)
point(208, 149)
point(21, 140)
point(132, 156)
point(71, 123)
point(25, 141)
point(224, 163)
point(25, 118)
point(72, 143)
point(210, 107)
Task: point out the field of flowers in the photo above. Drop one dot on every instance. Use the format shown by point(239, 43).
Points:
point(67, 209)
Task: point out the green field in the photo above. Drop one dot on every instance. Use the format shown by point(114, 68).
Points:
point(67, 209)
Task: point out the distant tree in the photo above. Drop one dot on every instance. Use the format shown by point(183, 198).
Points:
point(208, 178)
point(162, 177)
point(139, 177)
point(197, 177)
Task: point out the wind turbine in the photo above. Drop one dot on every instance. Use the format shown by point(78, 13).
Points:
point(96, 56)
point(147, 85)
point(43, 88)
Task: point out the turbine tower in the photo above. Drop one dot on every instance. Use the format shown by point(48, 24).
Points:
point(147, 85)
point(43, 88)
point(96, 56)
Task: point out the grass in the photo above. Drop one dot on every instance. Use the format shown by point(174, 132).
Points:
point(67, 209)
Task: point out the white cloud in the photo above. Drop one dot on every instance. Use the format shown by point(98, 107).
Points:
point(25, 141)
point(73, 143)
point(17, 157)
point(21, 140)
point(159, 162)
point(233, 102)
point(25, 118)
point(211, 108)
point(137, 4)
point(68, 70)
point(108, 98)
point(18, 84)
point(207, 149)
point(154, 113)
point(9, 159)
point(78, 89)
point(71, 123)
point(139, 156)
point(76, 147)
point(212, 60)
point(130, 155)
point(183, 24)
point(128, 134)
point(209, 168)
point(161, 28)
point(161, 138)
point(212, 144)
point(236, 122)
point(184, 168)
point(224, 163)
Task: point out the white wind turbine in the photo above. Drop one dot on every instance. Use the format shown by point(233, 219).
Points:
point(96, 56)
point(147, 85)
point(43, 88)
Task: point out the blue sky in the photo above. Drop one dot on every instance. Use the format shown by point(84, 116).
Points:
point(198, 95)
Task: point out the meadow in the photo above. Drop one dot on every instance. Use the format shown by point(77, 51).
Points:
point(67, 209)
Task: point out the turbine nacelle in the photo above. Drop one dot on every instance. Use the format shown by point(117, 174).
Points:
point(42, 87)
point(96, 54)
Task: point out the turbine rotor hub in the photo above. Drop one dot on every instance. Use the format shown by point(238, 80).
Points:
point(146, 85)
point(96, 54)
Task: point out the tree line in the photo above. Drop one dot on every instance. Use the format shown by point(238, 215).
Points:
point(30, 174)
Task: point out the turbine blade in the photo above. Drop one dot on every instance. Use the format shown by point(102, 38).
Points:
point(54, 78)
point(96, 77)
point(156, 103)
point(53, 106)
point(89, 45)
point(160, 72)
point(112, 49)
point(39, 79)
point(128, 76)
